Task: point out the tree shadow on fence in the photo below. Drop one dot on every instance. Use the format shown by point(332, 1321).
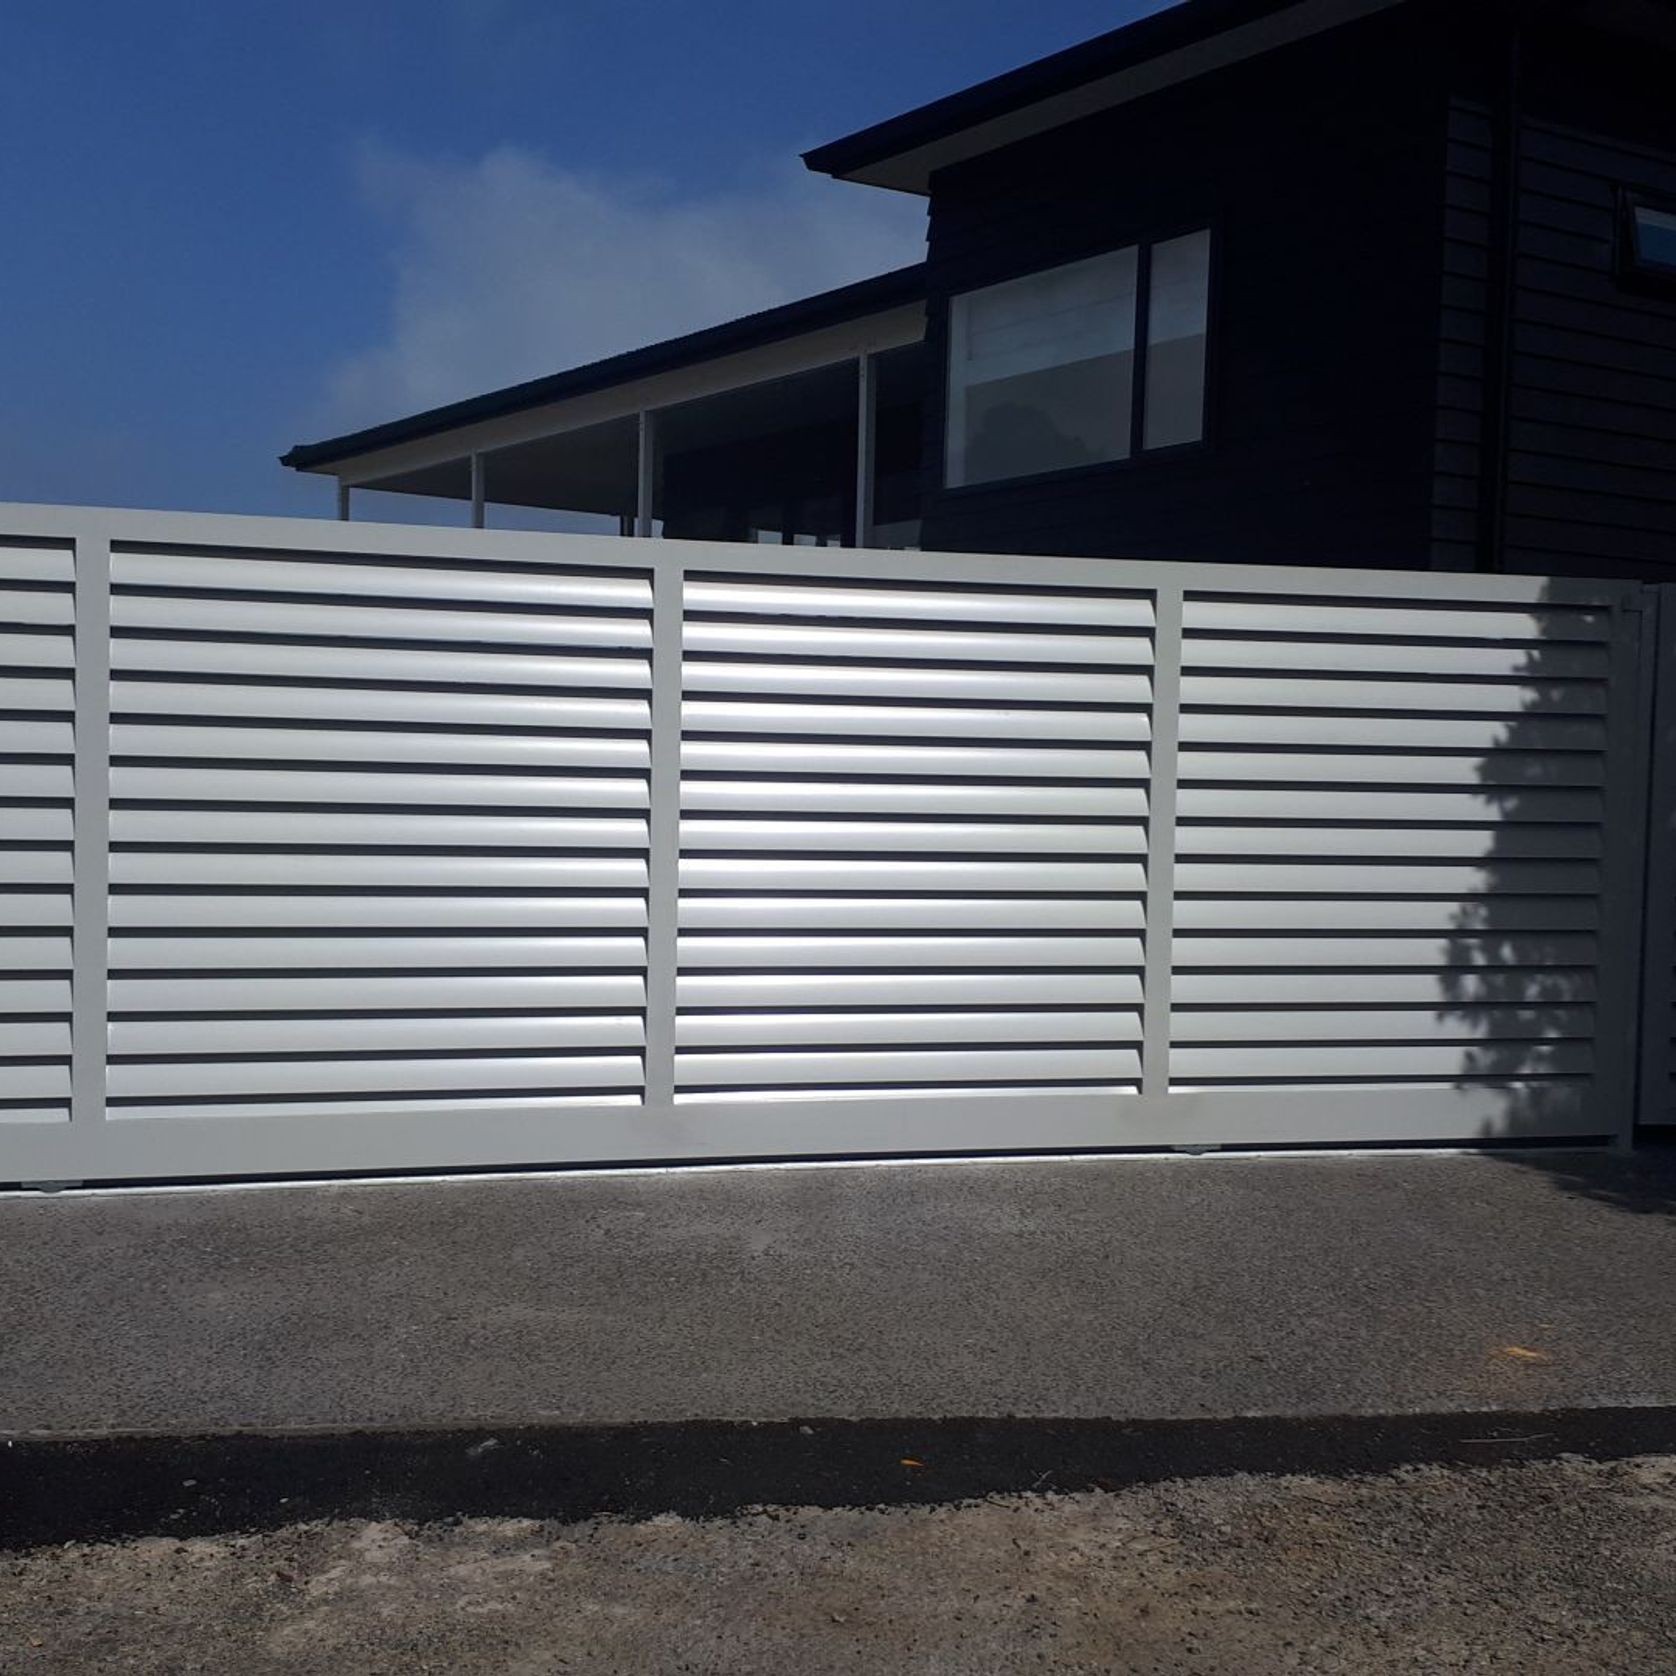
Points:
point(1525, 954)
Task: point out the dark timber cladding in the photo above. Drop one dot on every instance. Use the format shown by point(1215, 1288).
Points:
point(1591, 441)
point(1317, 169)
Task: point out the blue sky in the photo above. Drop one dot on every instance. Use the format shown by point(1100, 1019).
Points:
point(233, 226)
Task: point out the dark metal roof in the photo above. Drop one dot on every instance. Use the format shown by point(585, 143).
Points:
point(751, 331)
point(1181, 25)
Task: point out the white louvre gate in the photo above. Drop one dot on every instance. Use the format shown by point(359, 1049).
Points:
point(427, 848)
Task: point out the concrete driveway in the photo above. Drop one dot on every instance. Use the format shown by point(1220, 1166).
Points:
point(1126, 1288)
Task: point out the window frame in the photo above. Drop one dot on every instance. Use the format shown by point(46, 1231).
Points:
point(1139, 456)
point(1634, 270)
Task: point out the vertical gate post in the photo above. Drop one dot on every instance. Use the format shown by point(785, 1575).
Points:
point(1625, 874)
point(1656, 1090)
point(664, 846)
point(1161, 841)
point(90, 911)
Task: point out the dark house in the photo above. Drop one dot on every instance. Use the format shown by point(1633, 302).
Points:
point(1338, 282)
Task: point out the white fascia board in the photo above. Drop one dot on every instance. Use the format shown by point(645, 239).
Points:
point(892, 329)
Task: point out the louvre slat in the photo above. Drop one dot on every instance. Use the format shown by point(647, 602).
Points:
point(34, 954)
point(903, 913)
point(1451, 621)
point(34, 995)
point(361, 911)
point(1408, 843)
point(344, 1109)
point(38, 738)
point(1090, 801)
point(21, 563)
point(862, 761)
point(35, 1082)
point(1000, 684)
point(1483, 733)
point(36, 606)
point(1553, 698)
point(916, 645)
point(790, 1030)
point(928, 721)
point(31, 1039)
point(52, 693)
point(336, 746)
point(40, 650)
point(231, 993)
point(326, 786)
point(772, 599)
point(35, 907)
point(1360, 878)
point(468, 1032)
point(139, 568)
point(970, 1065)
point(350, 705)
point(280, 826)
point(817, 952)
point(1528, 803)
point(35, 824)
point(1264, 988)
point(243, 659)
point(31, 779)
point(246, 952)
point(893, 988)
point(950, 837)
point(1326, 913)
point(1467, 948)
point(1363, 1062)
point(379, 623)
point(140, 1079)
point(1438, 1023)
point(865, 874)
point(32, 867)
point(1492, 771)
point(1509, 662)
point(397, 869)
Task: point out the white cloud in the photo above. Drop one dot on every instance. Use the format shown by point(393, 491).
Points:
point(510, 267)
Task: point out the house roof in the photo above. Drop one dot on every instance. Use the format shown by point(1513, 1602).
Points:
point(1186, 40)
point(751, 331)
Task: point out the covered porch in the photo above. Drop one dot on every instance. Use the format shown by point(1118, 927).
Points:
point(802, 426)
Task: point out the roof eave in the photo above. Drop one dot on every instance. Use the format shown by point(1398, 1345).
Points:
point(870, 296)
point(902, 152)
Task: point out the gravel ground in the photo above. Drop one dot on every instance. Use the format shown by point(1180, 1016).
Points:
point(1543, 1570)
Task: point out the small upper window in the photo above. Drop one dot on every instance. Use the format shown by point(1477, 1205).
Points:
point(1650, 240)
point(1042, 370)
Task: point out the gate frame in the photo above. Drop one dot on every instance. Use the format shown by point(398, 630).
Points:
point(89, 1147)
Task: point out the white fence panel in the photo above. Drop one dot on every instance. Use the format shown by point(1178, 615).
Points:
point(356, 847)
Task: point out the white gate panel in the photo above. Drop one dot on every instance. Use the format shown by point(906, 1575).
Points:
point(230, 834)
point(393, 848)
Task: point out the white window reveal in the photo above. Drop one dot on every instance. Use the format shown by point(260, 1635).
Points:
point(1178, 318)
point(1042, 368)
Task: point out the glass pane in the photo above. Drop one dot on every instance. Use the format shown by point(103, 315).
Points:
point(1178, 310)
point(1655, 238)
point(1041, 370)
